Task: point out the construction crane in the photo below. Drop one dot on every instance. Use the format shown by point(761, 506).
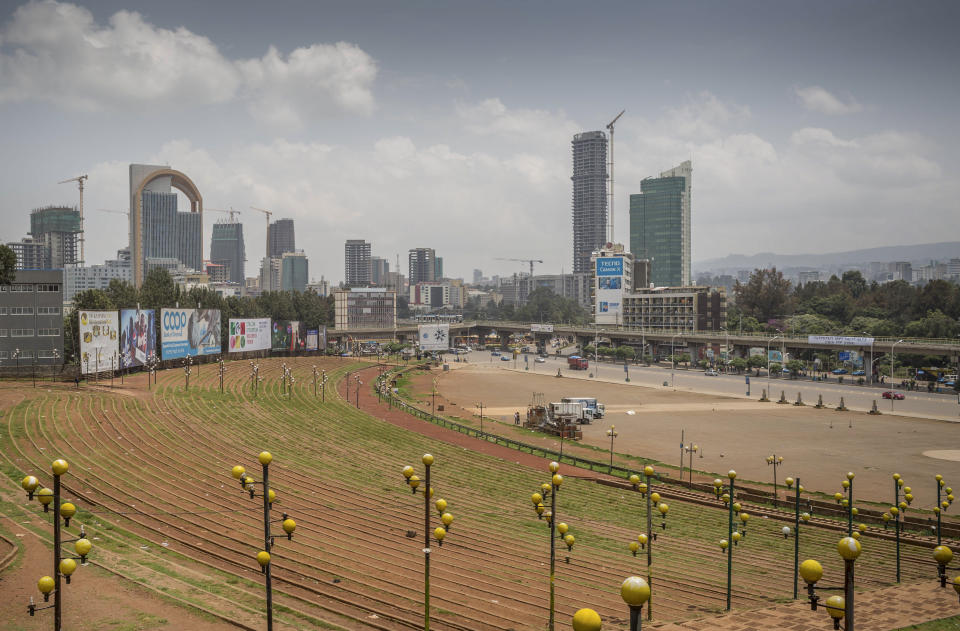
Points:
point(530, 261)
point(610, 127)
point(268, 213)
point(79, 180)
point(233, 213)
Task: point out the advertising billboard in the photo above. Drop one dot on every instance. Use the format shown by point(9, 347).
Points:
point(317, 339)
point(99, 339)
point(541, 328)
point(775, 356)
point(189, 332)
point(288, 335)
point(839, 340)
point(609, 289)
point(138, 336)
point(434, 337)
point(249, 335)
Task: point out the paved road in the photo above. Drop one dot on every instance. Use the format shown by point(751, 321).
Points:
point(923, 405)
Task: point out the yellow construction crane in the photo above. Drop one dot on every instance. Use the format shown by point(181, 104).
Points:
point(233, 213)
point(268, 213)
point(530, 261)
point(79, 180)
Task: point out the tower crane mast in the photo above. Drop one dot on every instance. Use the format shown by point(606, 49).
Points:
point(268, 214)
point(80, 179)
point(610, 127)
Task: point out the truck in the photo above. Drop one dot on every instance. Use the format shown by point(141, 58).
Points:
point(558, 418)
point(575, 362)
point(591, 407)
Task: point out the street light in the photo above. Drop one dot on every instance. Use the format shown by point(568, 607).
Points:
point(645, 540)
point(550, 490)
point(942, 505)
point(187, 365)
point(776, 461)
point(612, 433)
point(635, 592)
point(797, 518)
point(690, 449)
point(222, 370)
point(769, 342)
point(838, 607)
point(673, 357)
point(897, 511)
point(151, 364)
point(847, 502)
point(893, 348)
point(732, 537)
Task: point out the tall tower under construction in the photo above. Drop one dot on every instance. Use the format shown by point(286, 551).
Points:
point(589, 197)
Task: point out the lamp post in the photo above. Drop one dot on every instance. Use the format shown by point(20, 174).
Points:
point(269, 497)
point(690, 449)
point(775, 461)
point(113, 359)
point(323, 386)
point(732, 537)
point(847, 502)
point(897, 511)
point(635, 592)
point(769, 342)
point(612, 433)
point(645, 540)
point(359, 383)
point(255, 378)
point(63, 566)
point(16, 356)
point(222, 370)
point(838, 607)
point(187, 365)
point(942, 504)
point(797, 517)
point(480, 405)
point(673, 361)
point(439, 533)
point(550, 490)
point(56, 358)
point(151, 364)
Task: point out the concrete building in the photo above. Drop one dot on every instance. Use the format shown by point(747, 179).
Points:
point(58, 229)
point(77, 279)
point(365, 307)
point(227, 248)
point(30, 253)
point(379, 271)
point(808, 277)
point(589, 197)
point(158, 230)
point(270, 273)
point(679, 309)
point(901, 270)
point(612, 280)
point(437, 296)
point(294, 271)
point(356, 263)
point(660, 225)
point(282, 238)
point(477, 276)
point(438, 268)
point(31, 319)
point(422, 265)
point(320, 287)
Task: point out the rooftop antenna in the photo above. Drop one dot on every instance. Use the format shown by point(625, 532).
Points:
point(610, 127)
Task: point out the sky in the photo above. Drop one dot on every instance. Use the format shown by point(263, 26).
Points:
point(812, 127)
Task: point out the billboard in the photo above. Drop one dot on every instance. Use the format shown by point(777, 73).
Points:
point(317, 339)
point(189, 332)
point(99, 339)
point(541, 328)
point(609, 289)
point(434, 337)
point(138, 336)
point(839, 340)
point(288, 335)
point(249, 335)
point(775, 356)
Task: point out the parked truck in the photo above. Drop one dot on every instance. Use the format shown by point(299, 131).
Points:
point(558, 418)
point(575, 362)
point(591, 407)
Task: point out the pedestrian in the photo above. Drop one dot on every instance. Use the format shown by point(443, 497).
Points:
point(516, 418)
point(76, 381)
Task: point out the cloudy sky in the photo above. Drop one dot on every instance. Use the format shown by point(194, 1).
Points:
point(813, 127)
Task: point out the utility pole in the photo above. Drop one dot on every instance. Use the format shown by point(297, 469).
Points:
point(610, 127)
point(79, 180)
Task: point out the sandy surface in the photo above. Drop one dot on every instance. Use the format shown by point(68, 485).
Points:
point(819, 446)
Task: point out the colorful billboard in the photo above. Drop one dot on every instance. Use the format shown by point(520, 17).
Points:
point(317, 339)
point(99, 339)
point(138, 337)
point(434, 337)
point(609, 289)
point(249, 335)
point(189, 332)
point(288, 336)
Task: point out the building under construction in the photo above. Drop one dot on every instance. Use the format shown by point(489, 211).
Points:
point(589, 197)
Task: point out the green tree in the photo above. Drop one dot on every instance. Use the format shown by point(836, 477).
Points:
point(936, 324)
point(738, 363)
point(854, 282)
point(811, 324)
point(765, 296)
point(8, 265)
point(795, 366)
point(756, 362)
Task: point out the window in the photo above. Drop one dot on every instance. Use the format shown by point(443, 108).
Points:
point(21, 332)
point(4, 355)
point(21, 287)
point(46, 354)
point(3, 332)
point(47, 311)
point(26, 354)
point(21, 311)
point(3, 311)
point(48, 332)
point(48, 288)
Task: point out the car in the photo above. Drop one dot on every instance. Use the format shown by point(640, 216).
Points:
point(504, 358)
point(495, 354)
point(839, 371)
point(896, 396)
point(540, 360)
point(858, 373)
point(711, 373)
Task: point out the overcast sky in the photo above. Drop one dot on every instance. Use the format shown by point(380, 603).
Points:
point(813, 126)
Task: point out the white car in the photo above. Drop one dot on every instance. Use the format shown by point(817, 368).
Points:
point(540, 360)
point(711, 373)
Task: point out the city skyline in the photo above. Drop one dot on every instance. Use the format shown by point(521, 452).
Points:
point(329, 116)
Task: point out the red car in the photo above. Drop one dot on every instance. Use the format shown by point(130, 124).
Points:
point(896, 396)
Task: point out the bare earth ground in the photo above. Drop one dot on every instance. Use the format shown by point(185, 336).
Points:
point(819, 446)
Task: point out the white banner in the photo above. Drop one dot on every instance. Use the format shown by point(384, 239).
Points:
point(541, 328)
point(99, 340)
point(249, 335)
point(839, 340)
point(434, 337)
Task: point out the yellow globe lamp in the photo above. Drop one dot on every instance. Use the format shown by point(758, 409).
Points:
point(725, 498)
point(844, 502)
point(942, 555)
point(848, 548)
point(949, 490)
point(441, 505)
point(68, 567)
point(907, 489)
point(82, 548)
point(562, 528)
point(838, 496)
point(811, 571)
point(936, 510)
point(248, 483)
point(540, 508)
point(655, 497)
point(407, 472)
point(894, 511)
point(663, 508)
point(732, 474)
point(557, 479)
point(548, 516)
point(59, 466)
point(265, 458)
point(938, 477)
point(642, 538)
point(30, 484)
point(447, 519)
point(908, 497)
point(587, 620)
point(263, 558)
point(439, 533)
point(569, 540)
point(801, 488)
point(289, 526)
point(45, 585)
point(414, 482)
point(836, 606)
point(635, 591)
point(805, 517)
point(903, 506)
point(648, 471)
point(769, 459)
point(271, 496)
point(950, 498)
point(634, 547)
point(850, 475)
point(536, 498)
point(854, 511)
point(67, 510)
point(789, 483)
point(856, 535)
point(896, 476)
point(737, 536)
point(45, 496)
point(723, 544)
point(717, 483)
point(956, 584)
point(845, 484)
point(862, 527)
point(545, 487)
point(634, 479)
point(238, 471)
point(945, 504)
point(431, 492)
point(427, 460)
point(642, 487)
point(886, 517)
point(900, 482)
point(554, 467)
point(744, 517)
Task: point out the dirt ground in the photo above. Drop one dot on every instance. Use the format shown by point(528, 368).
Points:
point(819, 446)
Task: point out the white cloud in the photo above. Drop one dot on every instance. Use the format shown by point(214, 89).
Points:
point(820, 100)
point(56, 52)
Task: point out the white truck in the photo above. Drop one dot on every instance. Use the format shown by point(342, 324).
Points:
point(591, 407)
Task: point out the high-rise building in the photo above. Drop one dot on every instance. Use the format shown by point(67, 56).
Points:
point(294, 271)
point(589, 197)
point(365, 307)
point(423, 266)
point(438, 268)
point(660, 225)
point(57, 228)
point(379, 271)
point(477, 276)
point(157, 229)
point(282, 238)
point(30, 253)
point(356, 262)
point(227, 249)
point(270, 274)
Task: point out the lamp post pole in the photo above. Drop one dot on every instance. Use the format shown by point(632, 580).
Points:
point(769, 342)
point(673, 368)
point(732, 475)
point(612, 433)
point(893, 348)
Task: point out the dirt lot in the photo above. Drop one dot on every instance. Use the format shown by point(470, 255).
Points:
point(819, 446)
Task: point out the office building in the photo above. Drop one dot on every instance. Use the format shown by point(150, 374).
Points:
point(294, 271)
point(678, 309)
point(227, 249)
point(804, 278)
point(437, 296)
point(320, 287)
point(438, 268)
point(158, 230)
point(281, 238)
point(365, 308)
point(77, 279)
point(901, 270)
point(31, 319)
point(270, 274)
point(356, 263)
point(422, 266)
point(477, 276)
point(379, 271)
point(57, 228)
point(30, 253)
point(660, 225)
point(589, 197)
point(612, 279)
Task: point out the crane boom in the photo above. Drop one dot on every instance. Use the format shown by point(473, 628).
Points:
point(530, 261)
point(233, 213)
point(610, 127)
point(268, 214)
point(80, 179)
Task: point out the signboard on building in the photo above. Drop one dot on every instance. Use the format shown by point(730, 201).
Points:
point(843, 356)
point(541, 328)
point(288, 336)
point(434, 337)
point(609, 289)
point(99, 339)
point(313, 339)
point(775, 356)
point(757, 350)
point(839, 340)
point(189, 332)
point(249, 335)
point(138, 336)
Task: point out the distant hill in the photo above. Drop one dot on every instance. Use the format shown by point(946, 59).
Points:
point(922, 253)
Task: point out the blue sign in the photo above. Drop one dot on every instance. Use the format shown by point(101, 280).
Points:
point(610, 266)
point(843, 356)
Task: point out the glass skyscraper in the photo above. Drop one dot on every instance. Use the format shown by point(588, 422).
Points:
point(660, 225)
point(227, 248)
